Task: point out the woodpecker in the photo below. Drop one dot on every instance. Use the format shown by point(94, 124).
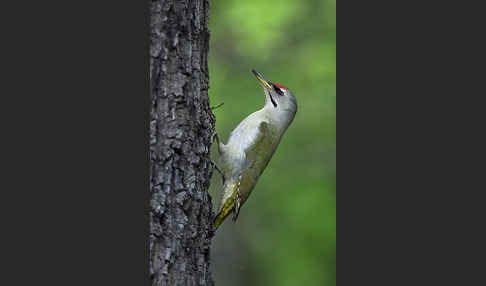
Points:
point(251, 145)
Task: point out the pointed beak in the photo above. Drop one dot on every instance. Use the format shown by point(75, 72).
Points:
point(262, 80)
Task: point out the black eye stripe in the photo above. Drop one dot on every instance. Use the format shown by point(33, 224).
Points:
point(278, 90)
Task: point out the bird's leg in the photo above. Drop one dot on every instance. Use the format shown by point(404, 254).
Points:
point(216, 137)
point(236, 210)
point(237, 207)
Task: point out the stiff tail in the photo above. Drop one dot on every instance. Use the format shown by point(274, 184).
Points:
point(224, 212)
point(228, 203)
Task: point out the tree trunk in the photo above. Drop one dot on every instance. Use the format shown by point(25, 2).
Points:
point(181, 124)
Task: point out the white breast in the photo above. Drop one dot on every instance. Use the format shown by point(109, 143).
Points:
point(243, 136)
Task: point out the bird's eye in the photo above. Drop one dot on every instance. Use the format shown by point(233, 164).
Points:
point(278, 90)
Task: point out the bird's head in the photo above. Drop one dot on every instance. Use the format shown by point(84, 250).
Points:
point(278, 98)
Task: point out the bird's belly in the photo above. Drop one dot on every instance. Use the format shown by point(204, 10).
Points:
point(240, 140)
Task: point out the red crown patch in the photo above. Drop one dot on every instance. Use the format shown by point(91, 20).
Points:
point(279, 85)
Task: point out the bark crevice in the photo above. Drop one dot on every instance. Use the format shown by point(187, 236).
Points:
point(181, 125)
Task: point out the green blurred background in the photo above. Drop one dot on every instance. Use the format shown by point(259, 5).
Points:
point(286, 231)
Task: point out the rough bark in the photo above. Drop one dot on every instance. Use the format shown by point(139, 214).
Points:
point(180, 136)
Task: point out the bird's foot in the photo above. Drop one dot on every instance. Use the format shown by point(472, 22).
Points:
point(215, 137)
point(236, 210)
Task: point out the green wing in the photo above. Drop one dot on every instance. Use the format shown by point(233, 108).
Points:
point(257, 157)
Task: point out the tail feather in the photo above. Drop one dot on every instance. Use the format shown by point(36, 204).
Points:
point(227, 206)
point(224, 212)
